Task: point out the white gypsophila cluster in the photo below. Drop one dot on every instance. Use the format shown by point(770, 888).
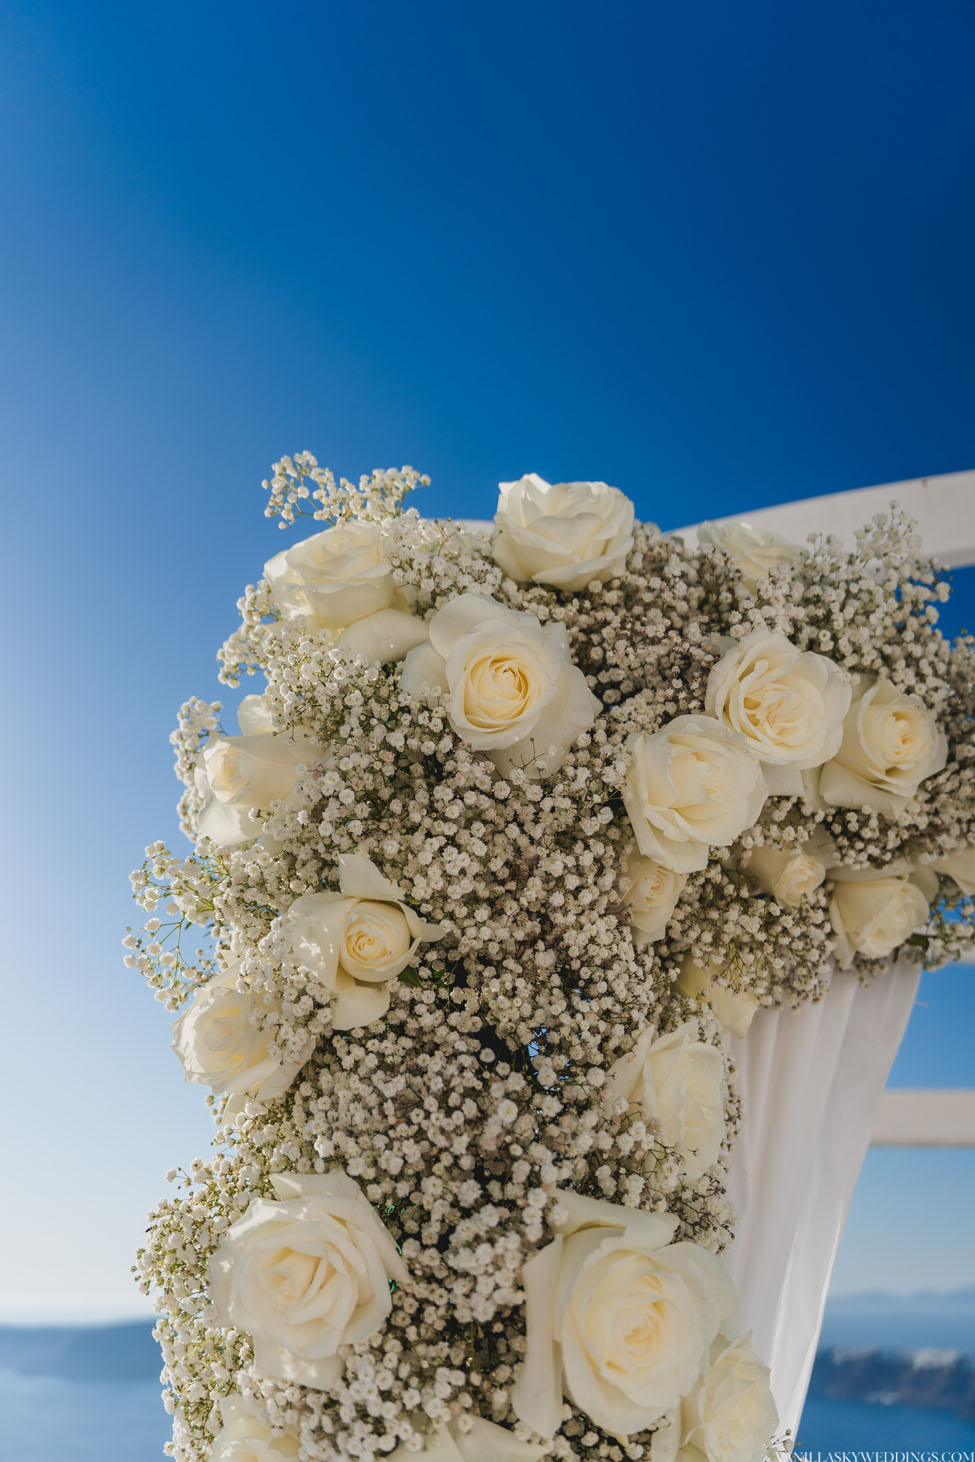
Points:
point(518, 827)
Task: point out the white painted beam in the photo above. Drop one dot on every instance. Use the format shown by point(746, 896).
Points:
point(944, 508)
point(916, 1117)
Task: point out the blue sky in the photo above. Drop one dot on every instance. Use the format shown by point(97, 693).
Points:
point(718, 255)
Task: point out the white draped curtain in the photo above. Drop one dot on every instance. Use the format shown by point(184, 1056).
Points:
point(810, 1082)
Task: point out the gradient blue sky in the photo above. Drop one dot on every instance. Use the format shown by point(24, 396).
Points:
point(717, 254)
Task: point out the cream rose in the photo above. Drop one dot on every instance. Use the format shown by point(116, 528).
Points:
point(665, 1442)
point(241, 775)
point(755, 552)
point(333, 578)
point(566, 534)
point(691, 786)
point(730, 1415)
point(246, 1436)
point(478, 1441)
point(733, 1009)
point(618, 1317)
point(652, 893)
point(221, 1047)
point(354, 942)
point(677, 1082)
point(254, 716)
point(789, 874)
point(891, 743)
point(873, 914)
point(510, 686)
point(788, 704)
point(959, 866)
point(304, 1274)
point(387, 635)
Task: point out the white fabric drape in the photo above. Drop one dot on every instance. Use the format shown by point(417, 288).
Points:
point(810, 1081)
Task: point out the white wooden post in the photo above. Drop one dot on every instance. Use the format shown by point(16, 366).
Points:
point(922, 1117)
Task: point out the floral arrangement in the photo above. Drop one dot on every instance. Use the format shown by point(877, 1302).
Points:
point(521, 825)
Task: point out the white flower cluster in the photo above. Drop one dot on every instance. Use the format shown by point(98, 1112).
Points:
point(519, 826)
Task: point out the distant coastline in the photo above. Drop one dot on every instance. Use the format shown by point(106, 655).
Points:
point(96, 1353)
point(928, 1380)
point(914, 1351)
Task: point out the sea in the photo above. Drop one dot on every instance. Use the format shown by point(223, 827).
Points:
point(850, 1426)
point(45, 1420)
point(892, 1322)
point(82, 1416)
point(48, 1420)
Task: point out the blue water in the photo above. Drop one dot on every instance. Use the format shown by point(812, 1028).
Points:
point(886, 1325)
point(48, 1420)
point(45, 1420)
point(838, 1426)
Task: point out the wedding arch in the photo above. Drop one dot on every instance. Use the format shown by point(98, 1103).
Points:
point(550, 928)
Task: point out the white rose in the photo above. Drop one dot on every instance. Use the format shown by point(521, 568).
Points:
point(253, 771)
point(652, 893)
point(691, 786)
point(566, 534)
point(677, 1082)
point(755, 552)
point(511, 688)
point(789, 874)
point(356, 941)
point(788, 704)
point(665, 1442)
point(874, 914)
point(304, 1274)
point(891, 743)
point(241, 775)
point(334, 577)
point(959, 866)
point(732, 1008)
point(254, 716)
point(730, 1416)
point(618, 1316)
point(246, 1437)
point(220, 1046)
point(481, 1441)
point(387, 635)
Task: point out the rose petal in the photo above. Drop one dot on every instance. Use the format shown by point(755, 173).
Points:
point(384, 636)
point(536, 1397)
point(360, 1005)
point(423, 671)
